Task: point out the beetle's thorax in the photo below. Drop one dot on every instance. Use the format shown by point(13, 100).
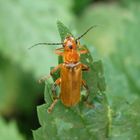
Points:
point(71, 54)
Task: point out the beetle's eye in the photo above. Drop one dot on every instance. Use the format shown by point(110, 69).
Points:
point(70, 46)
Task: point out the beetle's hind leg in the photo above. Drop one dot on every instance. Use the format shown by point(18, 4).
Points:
point(55, 97)
point(52, 105)
point(87, 95)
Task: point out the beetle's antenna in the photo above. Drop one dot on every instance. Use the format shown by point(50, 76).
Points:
point(87, 31)
point(45, 44)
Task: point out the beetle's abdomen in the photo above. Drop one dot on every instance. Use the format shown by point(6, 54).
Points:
point(71, 78)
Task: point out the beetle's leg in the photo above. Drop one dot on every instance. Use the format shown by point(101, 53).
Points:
point(56, 83)
point(52, 106)
point(85, 67)
point(83, 51)
point(52, 71)
point(55, 69)
point(87, 89)
point(88, 104)
point(55, 97)
point(59, 52)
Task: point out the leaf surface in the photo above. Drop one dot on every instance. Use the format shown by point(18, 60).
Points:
point(79, 122)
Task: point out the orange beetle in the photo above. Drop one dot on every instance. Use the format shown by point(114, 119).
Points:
point(70, 80)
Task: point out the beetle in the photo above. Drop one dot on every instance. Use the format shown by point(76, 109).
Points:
point(70, 80)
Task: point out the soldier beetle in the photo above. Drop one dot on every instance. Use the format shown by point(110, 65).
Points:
point(70, 80)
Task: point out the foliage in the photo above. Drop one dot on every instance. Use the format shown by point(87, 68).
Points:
point(9, 131)
point(79, 122)
point(118, 45)
point(79, 6)
point(24, 23)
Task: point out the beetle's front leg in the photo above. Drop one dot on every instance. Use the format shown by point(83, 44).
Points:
point(83, 51)
point(51, 73)
point(55, 97)
point(60, 53)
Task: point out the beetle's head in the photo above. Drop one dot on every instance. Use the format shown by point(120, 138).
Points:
point(70, 43)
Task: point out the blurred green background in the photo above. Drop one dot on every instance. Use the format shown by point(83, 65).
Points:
point(26, 22)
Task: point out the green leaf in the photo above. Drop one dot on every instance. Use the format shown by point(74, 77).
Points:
point(8, 131)
point(118, 45)
point(79, 122)
point(63, 30)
